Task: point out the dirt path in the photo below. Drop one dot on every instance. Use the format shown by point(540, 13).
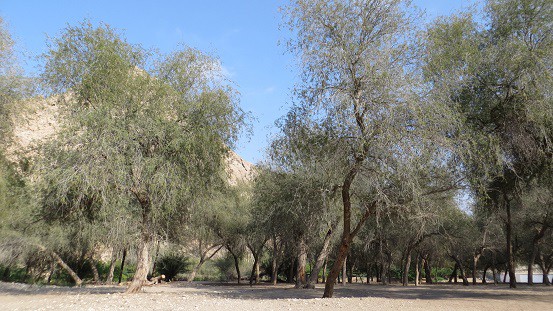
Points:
point(182, 296)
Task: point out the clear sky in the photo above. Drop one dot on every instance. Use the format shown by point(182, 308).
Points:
point(244, 34)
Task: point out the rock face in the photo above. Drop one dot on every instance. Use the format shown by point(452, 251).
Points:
point(39, 120)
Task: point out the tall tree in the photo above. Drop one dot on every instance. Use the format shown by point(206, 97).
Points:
point(360, 88)
point(499, 76)
point(139, 136)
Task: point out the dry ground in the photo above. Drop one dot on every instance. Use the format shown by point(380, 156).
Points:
point(203, 296)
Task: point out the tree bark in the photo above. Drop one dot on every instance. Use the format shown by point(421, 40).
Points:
point(122, 265)
point(301, 279)
point(417, 271)
point(321, 259)
point(484, 280)
point(94, 269)
point(462, 270)
point(427, 271)
point(407, 264)
point(545, 271)
point(236, 265)
point(344, 271)
point(324, 270)
point(203, 258)
point(63, 265)
point(535, 241)
point(109, 277)
point(453, 274)
point(475, 259)
point(508, 235)
point(140, 277)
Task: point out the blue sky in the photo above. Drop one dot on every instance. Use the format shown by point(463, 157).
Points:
point(245, 35)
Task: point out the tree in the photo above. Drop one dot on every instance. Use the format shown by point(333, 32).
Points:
point(139, 137)
point(499, 77)
point(361, 89)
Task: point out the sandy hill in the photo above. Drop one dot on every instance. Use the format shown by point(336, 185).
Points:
point(39, 120)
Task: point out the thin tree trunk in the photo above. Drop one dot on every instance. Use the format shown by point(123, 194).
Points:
point(510, 256)
point(290, 276)
point(539, 235)
point(344, 271)
point(274, 261)
point(474, 265)
point(254, 275)
point(203, 258)
point(484, 280)
point(109, 278)
point(545, 271)
point(427, 271)
point(63, 265)
point(324, 270)
point(301, 279)
point(417, 271)
point(347, 235)
point(453, 274)
point(321, 259)
point(155, 259)
point(462, 270)
point(237, 266)
point(122, 265)
point(95, 273)
point(407, 264)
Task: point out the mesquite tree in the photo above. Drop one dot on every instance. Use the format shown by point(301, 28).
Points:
point(361, 89)
point(139, 135)
point(498, 75)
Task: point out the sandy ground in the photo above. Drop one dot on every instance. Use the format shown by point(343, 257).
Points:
point(203, 296)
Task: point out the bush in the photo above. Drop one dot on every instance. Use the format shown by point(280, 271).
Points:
point(171, 264)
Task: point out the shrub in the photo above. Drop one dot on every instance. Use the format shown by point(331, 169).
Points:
point(171, 264)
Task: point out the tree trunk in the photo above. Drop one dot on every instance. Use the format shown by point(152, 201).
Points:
point(417, 271)
point(462, 270)
point(475, 259)
point(274, 270)
point(427, 271)
point(535, 249)
point(155, 259)
point(324, 270)
point(140, 277)
point(109, 277)
point(545, 271)
point(407, 264)
point(237, 266)
point(347, 235)
point(254, 275)
point(344, 271)
point(95, 273)
point(321, 259)
point(510, 255)
point(290, 276)
point(203, 258)
point(63, 265)
point(453, 274)
point(122, 266)
point(301, 279)
point(484, 280)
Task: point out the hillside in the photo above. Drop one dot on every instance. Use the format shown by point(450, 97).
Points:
point(39, 120)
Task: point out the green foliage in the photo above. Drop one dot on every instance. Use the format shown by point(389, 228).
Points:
point(141, 136)
point(171, 264)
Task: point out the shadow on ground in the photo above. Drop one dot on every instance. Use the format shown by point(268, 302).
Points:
point(425, 292)
point(536, 293)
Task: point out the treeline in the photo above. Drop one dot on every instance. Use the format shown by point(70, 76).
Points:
point(408, 148)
